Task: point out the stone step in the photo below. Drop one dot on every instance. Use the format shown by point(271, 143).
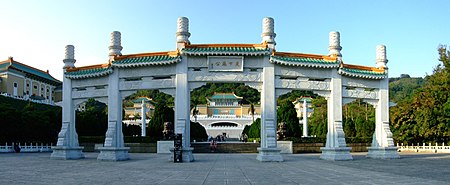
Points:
point(226, 147)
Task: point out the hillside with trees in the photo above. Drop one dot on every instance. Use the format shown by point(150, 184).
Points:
point(425, 117)
point(403, 88)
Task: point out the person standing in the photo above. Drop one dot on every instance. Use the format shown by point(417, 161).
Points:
point(213, 145)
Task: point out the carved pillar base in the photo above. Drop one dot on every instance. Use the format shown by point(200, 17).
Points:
point(383, 153)
point(113, 154)
point(67, 153)
point(269, 155)
point(336, 154)
point(186, 154)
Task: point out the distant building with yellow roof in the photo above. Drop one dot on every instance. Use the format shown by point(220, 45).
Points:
point(21, 81)
point(225, 105)
point(224, 114)
point(136, 109)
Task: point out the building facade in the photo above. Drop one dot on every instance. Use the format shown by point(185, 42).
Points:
point(303, 107)
point(299, 106)
point(135, 111)
point(25, 82)
point(224, 114)
point(225, 105)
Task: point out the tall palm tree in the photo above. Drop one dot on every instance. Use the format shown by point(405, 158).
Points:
point(252, 110)
point(195, 110)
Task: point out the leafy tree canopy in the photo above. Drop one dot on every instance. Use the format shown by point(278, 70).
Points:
point(425, 117)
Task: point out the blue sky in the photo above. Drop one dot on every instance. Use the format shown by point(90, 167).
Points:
point(35, 32)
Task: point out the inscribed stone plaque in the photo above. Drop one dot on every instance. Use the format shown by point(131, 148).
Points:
point(226, 63)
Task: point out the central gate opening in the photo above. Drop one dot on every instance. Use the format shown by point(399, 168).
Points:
point(225, 109)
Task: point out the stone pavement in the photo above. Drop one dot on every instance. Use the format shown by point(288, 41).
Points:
point(146, 168)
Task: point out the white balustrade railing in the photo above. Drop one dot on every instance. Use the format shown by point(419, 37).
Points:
point(225, 126)
point(224, 116)
point(26, 98)
point(424, 148)
point(26, 148)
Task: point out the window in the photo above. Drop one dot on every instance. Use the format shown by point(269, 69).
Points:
point(47, 97)
point(35, 87)
point(28, 85)
point(15, 84)
point(42, 89)
point(28, 92)
point(47, 90)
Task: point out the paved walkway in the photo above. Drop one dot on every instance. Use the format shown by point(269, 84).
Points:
point(37, 168)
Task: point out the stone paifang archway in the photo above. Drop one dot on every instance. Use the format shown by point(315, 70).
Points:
point(260, 66)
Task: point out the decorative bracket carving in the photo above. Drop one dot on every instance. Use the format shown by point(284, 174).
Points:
point(301, 84)
point(325, 94)
point(255, 85)
point(359, 93)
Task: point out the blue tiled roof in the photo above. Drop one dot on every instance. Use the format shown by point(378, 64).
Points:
point(29, 71)
point(139, 100)
point(225, 96)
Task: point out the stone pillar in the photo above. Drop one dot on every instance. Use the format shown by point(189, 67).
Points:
point(144, 126)
point(268, 150)
point(31, 88)
point(50, 91)
point(40, 89)
point(67, 146)
point(24, 87)
point(268, 32)
point(44, 94)
point(114, 148)
point(115, 45)
point(182, 110)
point(305, 119)
point(335, 148)
point(381, 59)
point(182, 93)
point(382, 142)
point(334, 47)
point(182, 32)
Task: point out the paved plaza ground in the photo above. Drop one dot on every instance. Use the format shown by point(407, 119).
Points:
point(149, 168)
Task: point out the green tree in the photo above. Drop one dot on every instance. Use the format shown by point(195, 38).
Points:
point(162, 114)
point(255, 129)
point(198, 132)
point(23, 121)
point(93, 121)
point(293, 95)
point(252, 111)
point(403, 88)
point(195, 111)
point(286, 113)
point(425, 117)
point(318, 119)
point(358, 119)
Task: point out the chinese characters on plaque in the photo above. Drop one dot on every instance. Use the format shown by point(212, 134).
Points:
point(225, 63)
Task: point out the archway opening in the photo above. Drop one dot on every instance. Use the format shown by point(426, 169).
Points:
point(304, 114)
point(151, 107)
point(224, 124)
point(226, 110)
point(91, 121)
point(358, 121)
